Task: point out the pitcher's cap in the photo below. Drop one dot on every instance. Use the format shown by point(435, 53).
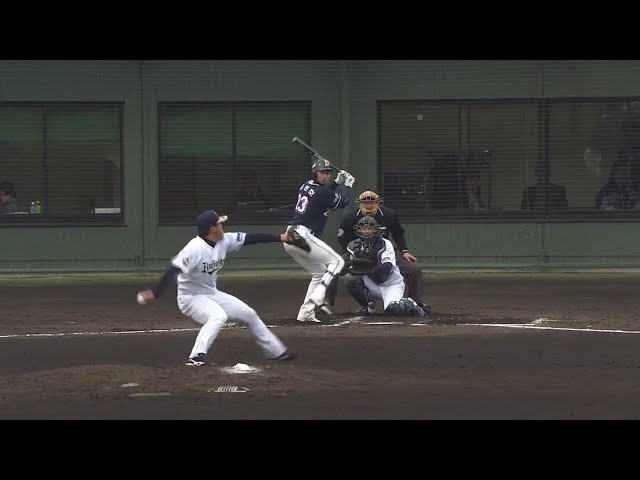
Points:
point(209, 218)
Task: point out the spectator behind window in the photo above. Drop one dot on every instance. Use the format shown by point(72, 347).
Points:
point(471, 194)
point(250, 193)
point(7, 198)
point(544, 194)
point(617, 193)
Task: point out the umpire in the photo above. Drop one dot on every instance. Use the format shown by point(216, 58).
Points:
point(370, 203)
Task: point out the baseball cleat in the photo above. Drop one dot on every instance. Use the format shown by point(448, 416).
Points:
point(370, 309)
point(285, 356)
point(426, 308)
point(308, 319)
point(196, 361)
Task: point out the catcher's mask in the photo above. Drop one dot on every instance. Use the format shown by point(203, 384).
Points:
point(366, 227)
point(369, 202)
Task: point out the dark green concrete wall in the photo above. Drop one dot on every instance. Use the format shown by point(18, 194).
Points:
point(344, 96)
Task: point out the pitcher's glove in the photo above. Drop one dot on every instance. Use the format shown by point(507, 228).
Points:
point(294, 238)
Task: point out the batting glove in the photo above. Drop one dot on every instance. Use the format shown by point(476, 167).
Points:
point(348, 182)
point(342, 175)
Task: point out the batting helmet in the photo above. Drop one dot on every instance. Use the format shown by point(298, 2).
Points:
point(366, 227)
point(320, 165)
point(369, 202)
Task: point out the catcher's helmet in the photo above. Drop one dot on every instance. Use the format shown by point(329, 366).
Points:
point(369, 201)
point(366, 227)
point(320, 165)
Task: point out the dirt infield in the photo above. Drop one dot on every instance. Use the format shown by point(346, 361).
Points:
point(347, 368)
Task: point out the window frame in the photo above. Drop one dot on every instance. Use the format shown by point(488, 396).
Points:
point(75, 219)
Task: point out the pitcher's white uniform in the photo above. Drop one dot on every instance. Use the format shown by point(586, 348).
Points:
point(200, 299)
point(392, 289)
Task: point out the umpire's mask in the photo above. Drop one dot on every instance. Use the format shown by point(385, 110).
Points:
point(369, 202)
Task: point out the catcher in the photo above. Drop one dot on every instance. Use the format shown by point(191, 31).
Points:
point(372, 273)
point(370, 203)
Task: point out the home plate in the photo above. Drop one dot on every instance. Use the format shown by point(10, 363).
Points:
point(241, 368)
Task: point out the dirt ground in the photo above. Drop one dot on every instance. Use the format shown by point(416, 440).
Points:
point(89, 351)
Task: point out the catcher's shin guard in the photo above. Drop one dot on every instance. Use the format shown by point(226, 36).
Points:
point(406, 306)
point(355, 286)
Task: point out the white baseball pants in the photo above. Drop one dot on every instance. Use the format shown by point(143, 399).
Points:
point(213, 311)
point(390, 291)
point(323, 263)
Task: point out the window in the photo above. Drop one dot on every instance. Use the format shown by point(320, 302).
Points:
point(594, 152)
point(62, 160)
point(456, 159)
point(236, 158)
point(507, 133)
point(542, 159)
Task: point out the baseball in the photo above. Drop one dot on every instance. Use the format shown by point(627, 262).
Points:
point(140, 299)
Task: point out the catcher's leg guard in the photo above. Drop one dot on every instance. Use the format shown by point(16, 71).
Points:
point(355, 286)
point(332, 289)
point(405, 306)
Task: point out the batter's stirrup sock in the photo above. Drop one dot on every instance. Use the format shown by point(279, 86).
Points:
point(327, 278)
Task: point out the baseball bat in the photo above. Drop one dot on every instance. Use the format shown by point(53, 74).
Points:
point(313, 152)
point(277, 209)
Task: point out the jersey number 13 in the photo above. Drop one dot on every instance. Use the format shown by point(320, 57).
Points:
point(303, 202)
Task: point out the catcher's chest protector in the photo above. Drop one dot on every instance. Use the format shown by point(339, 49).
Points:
point(368, 248)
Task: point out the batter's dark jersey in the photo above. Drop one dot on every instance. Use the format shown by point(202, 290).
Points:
point(314, 203)
point(386, 218)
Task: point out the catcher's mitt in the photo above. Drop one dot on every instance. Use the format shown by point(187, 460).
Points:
point(361, 266)
point(294, 238)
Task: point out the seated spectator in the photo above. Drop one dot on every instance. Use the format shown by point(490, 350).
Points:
point(471, 195)
point(250, 193)
point(7, 198)
point(617, 193)
point(544, 194)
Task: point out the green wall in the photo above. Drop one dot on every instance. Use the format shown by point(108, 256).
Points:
point(46, 248)
point(344, 96)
